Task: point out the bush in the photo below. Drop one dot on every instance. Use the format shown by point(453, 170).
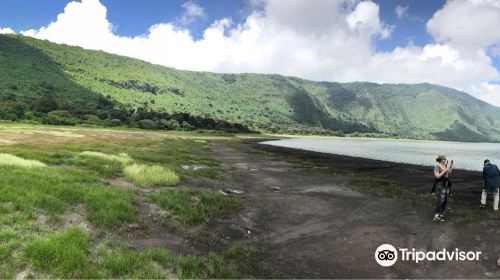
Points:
point(172, 125)
point(187, 126)
point(114, 122)
point(59, 118)
point(29, 115)
point(147, 124)
point(93, 119)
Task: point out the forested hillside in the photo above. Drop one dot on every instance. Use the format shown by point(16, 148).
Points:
point(58, 84)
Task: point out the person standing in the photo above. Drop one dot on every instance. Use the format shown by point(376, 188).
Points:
point(491, 176)
point(441, 173)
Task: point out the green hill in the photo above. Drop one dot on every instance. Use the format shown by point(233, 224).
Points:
point(59, 84)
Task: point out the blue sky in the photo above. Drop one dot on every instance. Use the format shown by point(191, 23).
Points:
point(454, 43)
point(132, 17)
point(135, 17)
point(411, 27)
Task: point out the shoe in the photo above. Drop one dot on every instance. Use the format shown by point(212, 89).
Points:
point(438, 219)
point(495, 210)
point(441, 216)
point(482, 205)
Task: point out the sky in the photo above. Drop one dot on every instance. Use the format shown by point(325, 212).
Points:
point(454, 43)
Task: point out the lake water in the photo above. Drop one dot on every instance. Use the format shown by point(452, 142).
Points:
point(468, 156)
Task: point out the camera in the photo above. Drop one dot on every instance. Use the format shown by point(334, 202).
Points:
point(386, 255)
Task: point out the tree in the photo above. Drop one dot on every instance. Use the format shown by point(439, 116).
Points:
point(121, 113)
point(12, 110)
point(45, 103)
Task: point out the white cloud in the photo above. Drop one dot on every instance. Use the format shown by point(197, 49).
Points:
point(192, 12)
point(322, 40)
point(81, 24)
point(365, 17)
point(6, 31)
point(434, 63)
point(487, 92)
point(468, 24)
point(401, 11)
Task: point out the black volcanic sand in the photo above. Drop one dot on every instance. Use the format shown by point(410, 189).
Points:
point(316, 226)
point(467, 185)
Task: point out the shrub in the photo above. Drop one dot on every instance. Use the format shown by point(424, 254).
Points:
point(172, 125)
point(59, 118)
point(114, 122)
point(187, 126)
point(147, 124)
point(93, 119)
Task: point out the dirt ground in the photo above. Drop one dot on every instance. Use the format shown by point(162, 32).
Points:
point(313, 226)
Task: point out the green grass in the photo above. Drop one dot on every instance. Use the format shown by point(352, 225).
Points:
point(105, 168)
point(237, 262)
point(150, 175)
point(72, 178)
point(54, 191)
point(123, 262)
point(69, 254)
point(195, 205)
point(7, 159)
point(108, 165)
point(121, 158)
point(63, 254)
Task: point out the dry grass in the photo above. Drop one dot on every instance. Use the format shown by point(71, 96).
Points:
point(7, 142)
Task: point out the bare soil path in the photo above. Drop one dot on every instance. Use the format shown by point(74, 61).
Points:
point(314, 226)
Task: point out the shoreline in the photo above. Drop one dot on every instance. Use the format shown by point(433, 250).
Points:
point(467, 156)
point(325, 154)
point(467, 184)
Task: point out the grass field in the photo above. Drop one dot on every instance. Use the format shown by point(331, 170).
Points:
point(48, 174)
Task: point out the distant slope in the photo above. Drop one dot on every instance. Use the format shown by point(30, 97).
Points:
point(30, 67)
point(26, 72)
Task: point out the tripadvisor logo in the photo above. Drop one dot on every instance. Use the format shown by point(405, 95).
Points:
point(387, 255)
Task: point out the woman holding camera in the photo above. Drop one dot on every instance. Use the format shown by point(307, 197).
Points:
point(441, 173)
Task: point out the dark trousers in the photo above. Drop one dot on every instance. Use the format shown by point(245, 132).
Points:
point(442, 192)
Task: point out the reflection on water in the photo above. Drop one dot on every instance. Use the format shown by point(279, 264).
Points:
point(465, 155)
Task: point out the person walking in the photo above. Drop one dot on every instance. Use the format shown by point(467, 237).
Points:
point(441, 173)
point(491, 176)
